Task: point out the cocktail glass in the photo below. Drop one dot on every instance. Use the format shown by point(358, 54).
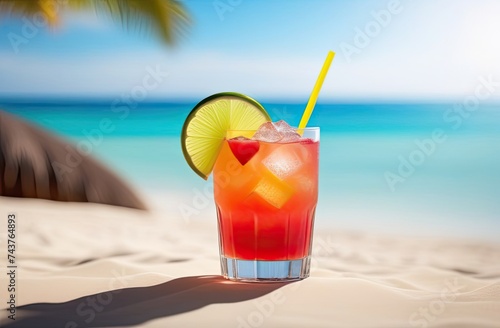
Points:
point(266, 205)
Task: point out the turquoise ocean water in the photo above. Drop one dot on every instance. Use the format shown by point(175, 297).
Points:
point(424, 169)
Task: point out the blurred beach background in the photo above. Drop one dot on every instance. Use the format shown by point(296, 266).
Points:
point(407, 223)
point(405, 72)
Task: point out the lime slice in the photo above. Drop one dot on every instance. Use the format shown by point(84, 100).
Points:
point(205, 127)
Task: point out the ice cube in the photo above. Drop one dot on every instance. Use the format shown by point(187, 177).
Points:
point(290, 137)
point(267, 132)
point(283, 126)
point(273, 190)
point(283, 162)
point(288, 134)
point(305, 183)
point(276, 132)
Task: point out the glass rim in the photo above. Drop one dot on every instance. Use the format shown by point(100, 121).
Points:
point(308, 132)
point(312, 128)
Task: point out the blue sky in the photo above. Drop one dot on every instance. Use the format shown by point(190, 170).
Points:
point(387, 50)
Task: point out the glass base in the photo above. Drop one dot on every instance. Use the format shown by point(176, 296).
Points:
point(265, 271)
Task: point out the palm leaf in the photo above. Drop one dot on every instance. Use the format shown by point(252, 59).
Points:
point(166, 18)
point(34, 163)
point(28, 8)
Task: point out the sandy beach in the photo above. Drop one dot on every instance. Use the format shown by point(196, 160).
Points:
point(122, 123)
point(91, 265)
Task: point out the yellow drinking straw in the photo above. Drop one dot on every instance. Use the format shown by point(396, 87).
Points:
point(314, 94)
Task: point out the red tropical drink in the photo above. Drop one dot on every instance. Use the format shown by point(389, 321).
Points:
point(266, 194)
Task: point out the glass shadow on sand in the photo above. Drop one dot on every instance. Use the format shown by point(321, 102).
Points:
point(133, 306)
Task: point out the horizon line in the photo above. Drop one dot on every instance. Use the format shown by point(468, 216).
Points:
point(72, 99)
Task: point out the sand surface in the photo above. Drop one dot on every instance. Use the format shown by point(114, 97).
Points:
point(89, 265)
